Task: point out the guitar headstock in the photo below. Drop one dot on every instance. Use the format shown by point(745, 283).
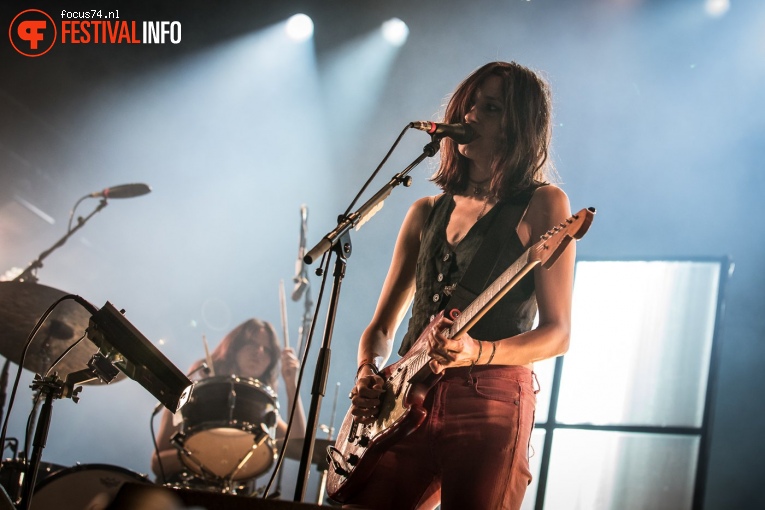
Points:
point(554, 241)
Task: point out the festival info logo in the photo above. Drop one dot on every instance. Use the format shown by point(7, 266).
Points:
point(32, 33)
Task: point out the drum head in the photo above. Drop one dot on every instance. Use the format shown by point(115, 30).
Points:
point(229, 454)
point(88, 486)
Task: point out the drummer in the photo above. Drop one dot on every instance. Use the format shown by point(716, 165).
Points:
point(250, 350)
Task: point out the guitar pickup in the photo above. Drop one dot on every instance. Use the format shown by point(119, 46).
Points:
point(353, 432)
point(401, 376)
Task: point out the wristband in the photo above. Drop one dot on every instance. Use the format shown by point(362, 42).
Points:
point(493, 352)
point(367, 364)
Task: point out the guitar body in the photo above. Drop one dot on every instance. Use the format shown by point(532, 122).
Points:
point(358, 447)
point(407, 382)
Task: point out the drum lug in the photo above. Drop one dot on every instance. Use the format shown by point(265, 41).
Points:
point(178, 439)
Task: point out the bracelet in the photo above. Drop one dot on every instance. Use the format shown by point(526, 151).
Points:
point(367, 364)
point(480, 351)
point(493, 352)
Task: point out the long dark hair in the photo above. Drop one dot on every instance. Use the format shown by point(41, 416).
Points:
point(522, 161)
point(224, 355)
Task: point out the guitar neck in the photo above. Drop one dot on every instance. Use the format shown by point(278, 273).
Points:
point(493, 293)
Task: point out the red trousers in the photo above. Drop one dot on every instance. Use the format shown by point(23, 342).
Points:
point(471, 453)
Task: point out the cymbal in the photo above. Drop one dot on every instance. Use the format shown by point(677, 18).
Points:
point(319, 457)
point(21, 306)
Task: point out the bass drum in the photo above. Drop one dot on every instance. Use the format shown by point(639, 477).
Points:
point(83, 487)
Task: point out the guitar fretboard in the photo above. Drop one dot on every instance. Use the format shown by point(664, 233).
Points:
point(483, 299)
point(418, 360)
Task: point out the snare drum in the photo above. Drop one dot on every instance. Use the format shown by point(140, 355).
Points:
point(87, 486)
point(228, 429)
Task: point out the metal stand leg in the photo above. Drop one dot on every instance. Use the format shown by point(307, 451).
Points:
point(51, 388)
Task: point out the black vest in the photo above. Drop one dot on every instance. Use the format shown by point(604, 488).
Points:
point(440, 266)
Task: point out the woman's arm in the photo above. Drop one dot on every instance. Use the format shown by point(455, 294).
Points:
point(397, 292)
point(548, 207)
point(168, 454)
point(290, 367)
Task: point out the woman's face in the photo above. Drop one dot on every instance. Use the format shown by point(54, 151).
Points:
point(485, 117)
point(253, 359)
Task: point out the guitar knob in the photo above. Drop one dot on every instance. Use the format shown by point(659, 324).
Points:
point(352, 459)
point(364, 441)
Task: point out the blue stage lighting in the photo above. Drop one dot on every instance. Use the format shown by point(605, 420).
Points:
point(395, 31)
point(299, 27)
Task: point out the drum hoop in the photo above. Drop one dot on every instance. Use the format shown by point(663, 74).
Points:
point(247, 381)
point(243, 426)
point(13, 462)
point(90, 467)
point(251, 427)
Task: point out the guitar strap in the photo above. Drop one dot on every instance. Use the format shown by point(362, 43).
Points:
point(495, 241)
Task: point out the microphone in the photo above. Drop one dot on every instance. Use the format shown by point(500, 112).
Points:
point(301, 282)
point(460, 133)
point(122, 191)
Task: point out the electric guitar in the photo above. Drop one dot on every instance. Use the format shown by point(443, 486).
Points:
point(407, 381)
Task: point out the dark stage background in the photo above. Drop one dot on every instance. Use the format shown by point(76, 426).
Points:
point(658, 123)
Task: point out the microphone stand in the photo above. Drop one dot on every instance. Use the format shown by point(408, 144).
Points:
point(3, 390)
point(305, 325)
point(339, 241)
point(303, 286)
point(27, 276)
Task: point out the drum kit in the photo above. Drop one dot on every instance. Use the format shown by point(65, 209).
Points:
point(227, 432)
point(226, 438)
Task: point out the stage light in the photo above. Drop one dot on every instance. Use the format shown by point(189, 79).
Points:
point(395, 31)
point(716, 8)
point(299, 27)
point(357, 73)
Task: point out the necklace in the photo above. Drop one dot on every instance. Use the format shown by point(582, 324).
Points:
point(478, 187)
point(483, 209)
point(459, 239)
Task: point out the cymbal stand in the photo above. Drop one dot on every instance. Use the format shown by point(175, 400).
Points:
point(52, 388)
point(33, 414)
